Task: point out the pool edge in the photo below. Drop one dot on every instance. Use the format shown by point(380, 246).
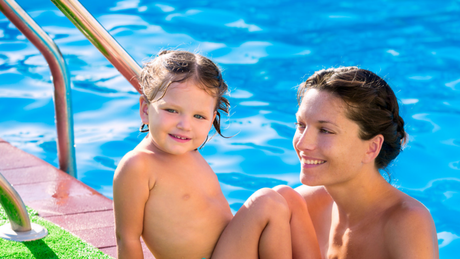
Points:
point(61, 199)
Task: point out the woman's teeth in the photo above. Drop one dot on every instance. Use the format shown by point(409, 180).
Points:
point(314, 162)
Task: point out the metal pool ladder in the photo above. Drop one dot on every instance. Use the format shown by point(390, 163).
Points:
point(61, 80)
point(21, 227)
point(98, 36)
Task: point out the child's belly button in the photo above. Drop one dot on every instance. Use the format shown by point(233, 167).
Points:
point(186, 197)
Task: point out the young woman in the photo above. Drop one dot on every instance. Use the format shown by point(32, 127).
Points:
point(348, 128)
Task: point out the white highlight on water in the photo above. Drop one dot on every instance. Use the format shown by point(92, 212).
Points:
point(242, 24)
point(393, 52)
point(446, 238)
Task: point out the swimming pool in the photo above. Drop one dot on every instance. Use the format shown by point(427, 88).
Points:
point(266, 48)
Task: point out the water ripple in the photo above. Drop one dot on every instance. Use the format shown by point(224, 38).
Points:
point(266, 49)
point(247, 181)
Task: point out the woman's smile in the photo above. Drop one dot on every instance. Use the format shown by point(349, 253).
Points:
point(310, 162)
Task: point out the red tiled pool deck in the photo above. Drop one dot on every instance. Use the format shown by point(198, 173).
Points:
point(61, 199)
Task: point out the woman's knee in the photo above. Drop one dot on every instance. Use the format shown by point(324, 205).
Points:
point(292, 197)
point(267, 202)
point(284, 190)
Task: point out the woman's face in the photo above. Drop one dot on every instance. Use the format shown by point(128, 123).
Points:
point(326, 141)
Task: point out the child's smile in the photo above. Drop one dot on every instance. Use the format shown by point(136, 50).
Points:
point(179, 138)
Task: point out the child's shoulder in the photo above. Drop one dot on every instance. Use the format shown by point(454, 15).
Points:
point(136, 163)
point(134, 176)
point(136, 158)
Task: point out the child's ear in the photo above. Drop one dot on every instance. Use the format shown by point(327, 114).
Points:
point(144, 110)
point(373, 149)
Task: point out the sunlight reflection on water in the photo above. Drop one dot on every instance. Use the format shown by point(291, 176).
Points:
point(265, 48)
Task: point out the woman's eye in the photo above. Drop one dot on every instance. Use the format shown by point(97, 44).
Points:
point(299, 125)
point(323, 130)
point(198, 116)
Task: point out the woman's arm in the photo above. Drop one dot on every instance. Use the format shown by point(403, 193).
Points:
point(130, 193)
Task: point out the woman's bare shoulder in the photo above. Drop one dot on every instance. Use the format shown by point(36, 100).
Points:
point(405, 207)
point(409, 229)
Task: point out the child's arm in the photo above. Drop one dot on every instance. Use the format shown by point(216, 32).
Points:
point(131, 188)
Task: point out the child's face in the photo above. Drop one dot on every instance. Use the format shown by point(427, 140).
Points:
point(181, 120)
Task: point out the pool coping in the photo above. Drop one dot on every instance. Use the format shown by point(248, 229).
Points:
point(61, 199)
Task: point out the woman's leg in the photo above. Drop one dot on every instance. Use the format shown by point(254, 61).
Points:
point(303, 235)
point(260, 229)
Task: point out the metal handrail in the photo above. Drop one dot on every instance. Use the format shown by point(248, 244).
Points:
point(20, 227)
point(61, 80)
point(101, 39)
point(13, 206)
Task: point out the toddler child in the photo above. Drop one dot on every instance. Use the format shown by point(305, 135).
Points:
point(164, 190)
point(166, 193)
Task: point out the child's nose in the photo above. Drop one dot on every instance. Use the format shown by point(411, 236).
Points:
point(184, 123)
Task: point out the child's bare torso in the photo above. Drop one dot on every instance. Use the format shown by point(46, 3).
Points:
point(186, 211)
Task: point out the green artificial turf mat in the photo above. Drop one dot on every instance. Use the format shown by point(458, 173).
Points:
point(58, 244)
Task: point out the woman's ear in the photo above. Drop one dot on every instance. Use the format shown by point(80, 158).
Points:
point(373, 149)
point(144, 110)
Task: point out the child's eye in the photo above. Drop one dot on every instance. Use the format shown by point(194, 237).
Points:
point(171, 110)
point(199, 117)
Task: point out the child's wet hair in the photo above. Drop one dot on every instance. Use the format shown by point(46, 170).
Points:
point(371, 103)
point(174, 66)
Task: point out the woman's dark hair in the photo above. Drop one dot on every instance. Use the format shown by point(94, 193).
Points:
point(171, 66)
point(370, 103)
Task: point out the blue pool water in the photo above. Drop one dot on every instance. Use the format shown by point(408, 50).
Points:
point(266, 48)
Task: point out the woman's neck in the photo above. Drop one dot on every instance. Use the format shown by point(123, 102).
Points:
point(361, 196)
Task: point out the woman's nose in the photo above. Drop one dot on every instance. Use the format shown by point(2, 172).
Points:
point(304, 140)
